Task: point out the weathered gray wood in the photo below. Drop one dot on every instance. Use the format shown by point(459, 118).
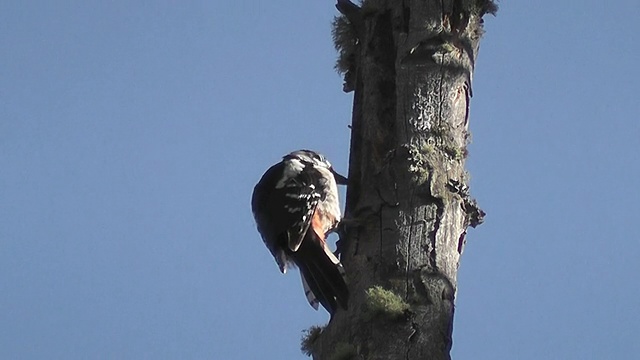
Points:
point(407, 200)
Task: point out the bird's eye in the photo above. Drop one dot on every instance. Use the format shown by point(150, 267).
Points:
point(324, 161)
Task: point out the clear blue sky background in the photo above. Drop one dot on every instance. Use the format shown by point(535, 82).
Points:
point(132, 133)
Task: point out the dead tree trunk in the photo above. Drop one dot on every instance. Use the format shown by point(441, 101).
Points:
point(410, 63)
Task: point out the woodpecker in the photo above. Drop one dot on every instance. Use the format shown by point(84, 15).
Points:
point(295, 205)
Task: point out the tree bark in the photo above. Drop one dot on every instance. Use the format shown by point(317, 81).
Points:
point(408, 206)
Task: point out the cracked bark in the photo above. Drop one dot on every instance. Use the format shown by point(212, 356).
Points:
point(408, 200)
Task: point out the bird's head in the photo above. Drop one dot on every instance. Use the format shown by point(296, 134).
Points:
point(317, 160)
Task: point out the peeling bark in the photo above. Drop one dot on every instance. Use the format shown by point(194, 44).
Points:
point(408, 205)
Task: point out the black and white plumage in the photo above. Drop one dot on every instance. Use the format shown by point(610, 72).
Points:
point(295, 205)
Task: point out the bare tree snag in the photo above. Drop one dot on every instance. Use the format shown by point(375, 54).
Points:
point(410, 64)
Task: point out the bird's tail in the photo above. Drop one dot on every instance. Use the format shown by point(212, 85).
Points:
point(323, 276)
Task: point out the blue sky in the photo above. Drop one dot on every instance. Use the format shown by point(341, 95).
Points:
point(132, 133)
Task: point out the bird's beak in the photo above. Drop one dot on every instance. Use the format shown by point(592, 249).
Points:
point(340, 180)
